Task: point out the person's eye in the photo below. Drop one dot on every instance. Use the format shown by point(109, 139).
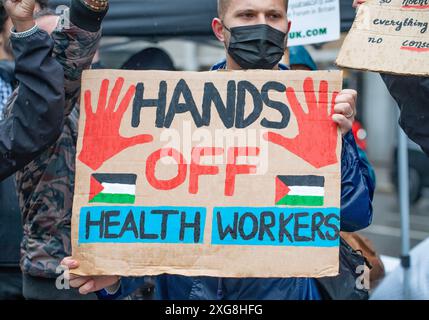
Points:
point(247, 15)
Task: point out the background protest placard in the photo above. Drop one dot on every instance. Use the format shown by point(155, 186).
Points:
point(313, 21)
point(389, 36)
point(230, 174)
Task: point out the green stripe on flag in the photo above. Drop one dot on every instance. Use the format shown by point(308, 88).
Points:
point(305, 201)
point(114, 198)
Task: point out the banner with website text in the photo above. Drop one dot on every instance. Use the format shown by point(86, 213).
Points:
point(314, 21)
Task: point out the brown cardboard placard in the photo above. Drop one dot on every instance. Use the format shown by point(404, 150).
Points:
point(230, 174)
point(389, 36)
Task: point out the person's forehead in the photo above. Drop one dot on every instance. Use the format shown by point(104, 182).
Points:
point(257, 5)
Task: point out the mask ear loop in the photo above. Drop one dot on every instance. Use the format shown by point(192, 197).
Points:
point(226, 28)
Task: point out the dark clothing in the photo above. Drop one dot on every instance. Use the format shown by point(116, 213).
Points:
point(412, 95)
point(11, 283)
point(37, 288)
point(10, 215)
point(10, 240)
point(7, 71)
point(10, 224)
point(46, 184)
point(35, 114)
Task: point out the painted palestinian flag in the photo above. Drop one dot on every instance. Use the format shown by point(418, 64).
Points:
point(113, 188)
point(302, 191)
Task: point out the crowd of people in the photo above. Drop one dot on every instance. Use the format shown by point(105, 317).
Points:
point(41, 65)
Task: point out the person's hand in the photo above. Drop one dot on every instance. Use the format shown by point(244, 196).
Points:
point(87, 284)
point(345, 110)
point(21, 13)
point(357, 3)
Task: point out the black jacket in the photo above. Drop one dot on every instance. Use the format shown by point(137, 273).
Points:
point(412, 95)
point(10, 224)
point(36, 108)
point(7, 71)
point(10, 215)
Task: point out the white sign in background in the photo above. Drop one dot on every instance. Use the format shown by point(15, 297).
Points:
point(314, 21)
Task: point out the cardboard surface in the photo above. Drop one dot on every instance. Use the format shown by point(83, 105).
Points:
point(230, 174)
point(389, 36)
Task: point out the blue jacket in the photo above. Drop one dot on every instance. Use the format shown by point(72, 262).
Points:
point(357, 190)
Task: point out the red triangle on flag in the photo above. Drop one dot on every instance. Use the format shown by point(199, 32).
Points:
point(95, 188)
point(281, 190)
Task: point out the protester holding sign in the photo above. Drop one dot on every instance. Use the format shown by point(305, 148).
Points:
point(255, 35)
point(36, 109)
point(45, 185)
point(412, 95)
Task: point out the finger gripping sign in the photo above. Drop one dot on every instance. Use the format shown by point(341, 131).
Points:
point(230, 174)
point(389, 36)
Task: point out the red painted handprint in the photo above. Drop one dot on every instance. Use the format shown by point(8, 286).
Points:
point(316, 141)
point(102, 140)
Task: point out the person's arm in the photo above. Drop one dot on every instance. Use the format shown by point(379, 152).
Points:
point(412, 95)
point(35, 116)
point(76, 44)
point(357, 188)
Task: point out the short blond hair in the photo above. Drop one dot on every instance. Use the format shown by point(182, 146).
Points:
point(222, 7)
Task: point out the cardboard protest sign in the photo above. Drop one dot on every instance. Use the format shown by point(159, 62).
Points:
point(389, 36)
point(231, 174)
point(313, 21)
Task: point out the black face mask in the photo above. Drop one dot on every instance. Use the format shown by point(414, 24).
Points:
point(257, 46)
